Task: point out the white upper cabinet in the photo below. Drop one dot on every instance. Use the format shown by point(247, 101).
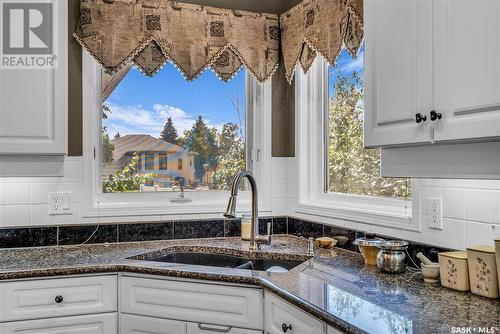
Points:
point(398, 79)
point(432, 71)
point(467, 69)
point(33, 102)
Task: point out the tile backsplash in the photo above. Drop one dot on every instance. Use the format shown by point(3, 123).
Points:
point(471, 208)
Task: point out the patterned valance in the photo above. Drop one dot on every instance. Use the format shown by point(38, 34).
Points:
point(152, 32)
point(320, 26)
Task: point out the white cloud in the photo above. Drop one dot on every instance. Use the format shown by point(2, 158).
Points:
point(354, 65)
point(138, 120)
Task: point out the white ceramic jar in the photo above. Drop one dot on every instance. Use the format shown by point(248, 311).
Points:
point(453, 270)
point(483, 271)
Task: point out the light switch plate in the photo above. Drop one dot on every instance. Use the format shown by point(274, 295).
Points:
point(60, 203)
point(435, 216)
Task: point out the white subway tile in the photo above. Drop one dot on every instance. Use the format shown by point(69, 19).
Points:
point(431, 182)
point(429, 192)
point(17, 194)
point(279, 188)
point(39, 192)
point(454, 203)
point(279, 169)
point(453, 234)
point(3, 193)
point(17, 215)
point(74, 187)
point(429, 235)
point(65, 219)
point(495, 213)
point(478, 205)
point(40, 215)
point(479, 234)
point(3, 216)
point(279, 206)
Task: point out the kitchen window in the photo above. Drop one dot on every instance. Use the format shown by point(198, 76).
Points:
point(153, 136)
point(337, 176)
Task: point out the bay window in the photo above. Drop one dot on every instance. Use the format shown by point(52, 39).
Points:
point(337, 176)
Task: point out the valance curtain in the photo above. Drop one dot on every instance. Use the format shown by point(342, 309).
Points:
point(192, 37)
point(322, 27)
point(150, 33)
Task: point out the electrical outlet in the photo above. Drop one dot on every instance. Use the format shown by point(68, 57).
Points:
point(60, 203)
point(435, 217)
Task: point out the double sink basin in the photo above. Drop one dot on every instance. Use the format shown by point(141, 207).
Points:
point(218, 259)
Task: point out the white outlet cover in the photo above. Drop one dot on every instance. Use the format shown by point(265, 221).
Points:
point(435, 214)
point(60, 203)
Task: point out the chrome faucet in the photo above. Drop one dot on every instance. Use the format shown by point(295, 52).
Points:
point(255, 238)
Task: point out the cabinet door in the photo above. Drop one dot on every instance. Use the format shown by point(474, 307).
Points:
point(467, 68)
point(33, 101)
point(398, 64)
point(134, 324)
point(85, 324)
point(281, 316)
point(194, 328)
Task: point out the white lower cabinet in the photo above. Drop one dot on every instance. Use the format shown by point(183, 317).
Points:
point(83, 324)
point(281, 317)
point(136, 324)
point(239, 307)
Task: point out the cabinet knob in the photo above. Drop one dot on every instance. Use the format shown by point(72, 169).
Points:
point(435, 115)
point(59, 299)
point(285, 327)
point(419, 118)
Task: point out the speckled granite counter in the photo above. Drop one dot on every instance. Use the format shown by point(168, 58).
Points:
point(334, 286)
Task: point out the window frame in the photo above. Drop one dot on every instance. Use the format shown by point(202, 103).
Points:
point(311, 91)
point(202, 204)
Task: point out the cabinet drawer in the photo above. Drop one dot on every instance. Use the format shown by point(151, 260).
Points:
point(84, 324)
point(136, 324)
point(194, 328)
point(205, 303)
point(46, 298)
point(279, 312)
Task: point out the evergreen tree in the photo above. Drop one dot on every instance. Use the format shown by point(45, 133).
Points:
point(228, 137)
point(203, 141)
point(107, 148)
point(169, 133)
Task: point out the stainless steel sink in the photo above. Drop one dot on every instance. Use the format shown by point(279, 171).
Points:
point(218, 260)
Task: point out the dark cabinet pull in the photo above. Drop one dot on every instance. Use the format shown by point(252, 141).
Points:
point(419, 118)
point(285, 327)
point(59, 299)
point(435, 115)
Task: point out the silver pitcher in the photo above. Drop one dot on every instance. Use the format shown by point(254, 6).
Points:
point(392, 257)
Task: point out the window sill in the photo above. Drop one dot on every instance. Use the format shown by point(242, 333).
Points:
point(371, 216)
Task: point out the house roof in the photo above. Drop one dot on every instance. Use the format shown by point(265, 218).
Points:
point(141, 143)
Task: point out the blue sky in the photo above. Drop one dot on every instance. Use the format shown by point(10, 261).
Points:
point(141, 105)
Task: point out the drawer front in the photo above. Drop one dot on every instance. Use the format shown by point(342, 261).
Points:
point(136, 324)
point(84, 324)
point(48, 298)
point(279, 312)
point(205, 303)
point(194, 328)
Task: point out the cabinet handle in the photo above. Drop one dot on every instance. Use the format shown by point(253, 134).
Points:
point(419, 118)
point(285, 327)
point(435, 115)
point(214, 329)
point(59, 299)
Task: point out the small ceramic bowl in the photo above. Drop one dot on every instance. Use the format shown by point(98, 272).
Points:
point(326, 242)
point(430, 272)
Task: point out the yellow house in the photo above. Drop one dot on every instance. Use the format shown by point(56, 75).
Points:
point(169, 162)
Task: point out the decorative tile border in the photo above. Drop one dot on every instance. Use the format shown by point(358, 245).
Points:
point(184, 229)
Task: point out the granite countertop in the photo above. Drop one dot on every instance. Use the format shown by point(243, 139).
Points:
point(334, 286)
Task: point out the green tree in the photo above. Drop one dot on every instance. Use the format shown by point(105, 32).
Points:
point(107, 148)
point(231, 158)
point(353, 169)
point(203, 141)
point(169, 133)
point(126, 179)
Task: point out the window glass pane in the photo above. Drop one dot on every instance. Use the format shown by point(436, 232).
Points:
point(162, 131)
point(351, 168)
